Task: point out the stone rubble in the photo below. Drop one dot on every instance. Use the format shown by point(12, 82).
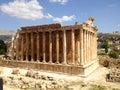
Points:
point(32, 80)
point(114, 73)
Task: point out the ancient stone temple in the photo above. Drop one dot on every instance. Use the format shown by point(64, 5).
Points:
point(68, 49)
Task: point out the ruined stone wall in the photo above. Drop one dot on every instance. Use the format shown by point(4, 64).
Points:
point(114, 73)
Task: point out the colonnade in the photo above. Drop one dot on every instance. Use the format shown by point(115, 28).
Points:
point(63, 46)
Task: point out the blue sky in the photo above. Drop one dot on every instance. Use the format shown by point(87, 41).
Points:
point(17, 13)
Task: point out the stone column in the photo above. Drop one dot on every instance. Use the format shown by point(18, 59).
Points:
point(57, 46)
point(64, 47)
point(78, 49)
point(90, 46)
point(93, 46)
point(43, 35)
point(50, 47)
point(73, 46)
point(84, 46)
point(81, 48)
point(22, 46)
point(96, 45)
point(38, 47)
point(87, 47)
point(32, 47)
point(27, 46)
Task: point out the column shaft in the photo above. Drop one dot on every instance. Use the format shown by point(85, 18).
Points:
point(32, 47)
point(64, 47)
point(96, 45)
point(38, 47)
point(78, 49)
point(44, 44)
point(57, 46)
point(50, 47)
point(87, 46)
point(22, 52)
point(27, 47)
point(91, 46)
point(84, 46)
point(81, 47)
point(73, 46)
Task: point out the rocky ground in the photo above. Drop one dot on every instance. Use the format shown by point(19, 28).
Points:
point(24, 79)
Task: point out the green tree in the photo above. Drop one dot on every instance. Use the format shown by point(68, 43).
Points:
point(114, 54)
point(105, 45)
point(3, 48)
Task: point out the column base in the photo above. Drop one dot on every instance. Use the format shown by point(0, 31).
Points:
point(64, 63)
point(50, 62)
point(44, 62)
point(32, 60)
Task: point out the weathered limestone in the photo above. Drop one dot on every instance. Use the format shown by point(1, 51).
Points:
point(22, 46)
point(38, 48)
point(50, 47)
point(57, 47)
point(60, 48)
point(73, 46)
point(32, 47)
point(81, 48)
point(64, 47)
point(27, 46)
point(43, 35)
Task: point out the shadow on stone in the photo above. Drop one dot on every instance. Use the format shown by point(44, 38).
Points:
point(1, 83)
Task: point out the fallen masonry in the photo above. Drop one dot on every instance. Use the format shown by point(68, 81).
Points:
point(114, 73)
point(33, 80)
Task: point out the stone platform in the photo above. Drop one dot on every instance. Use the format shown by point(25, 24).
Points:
point(59, 68)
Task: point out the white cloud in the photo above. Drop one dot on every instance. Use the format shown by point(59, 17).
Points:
point(64, 19)
point(26, 9)
point(31, 9)
point(48, 16)
point(59, 1)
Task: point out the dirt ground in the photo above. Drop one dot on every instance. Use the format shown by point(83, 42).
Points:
point(97, 77)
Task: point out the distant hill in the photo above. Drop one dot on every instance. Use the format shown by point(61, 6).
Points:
point(109, 36)
point(7, 32)
point(6, 35)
